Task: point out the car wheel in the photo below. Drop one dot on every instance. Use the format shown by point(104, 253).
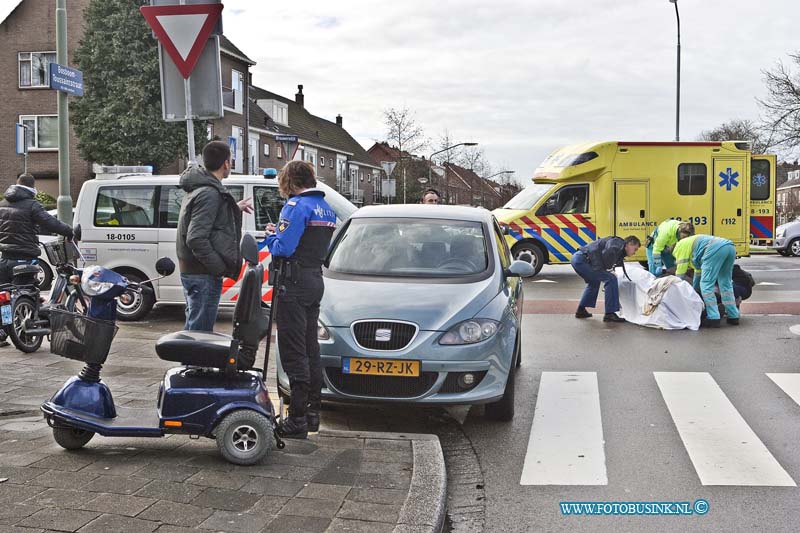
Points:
point(794, 247)
point(244, 437)
point(45, 277)
point(503, 409)
point(537, 257)
point(784, 253)
point(135, 305)
point(71, 438)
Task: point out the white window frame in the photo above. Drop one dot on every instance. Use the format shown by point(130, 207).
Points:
point(322, 161)
point(35, 147)
point(278, 151)
point(237, 84)
point(29, 60)
point(266, 149)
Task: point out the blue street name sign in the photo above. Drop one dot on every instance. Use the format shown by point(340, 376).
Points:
point(66, 79)
point(286, 138)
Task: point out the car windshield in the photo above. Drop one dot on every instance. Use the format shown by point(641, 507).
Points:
point(527, 197)
point(402, 247)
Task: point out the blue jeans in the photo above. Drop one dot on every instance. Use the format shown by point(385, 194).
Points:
point(593, 278)
point(202, 292)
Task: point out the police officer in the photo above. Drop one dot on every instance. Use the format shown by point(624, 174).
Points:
point(298, 245)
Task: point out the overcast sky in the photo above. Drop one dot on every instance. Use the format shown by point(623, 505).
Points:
point(520, 77)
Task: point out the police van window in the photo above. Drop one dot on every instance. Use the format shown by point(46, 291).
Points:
point(568, 200)
point(169, 208)
point(692, 179)
point(268, 204)
point(759, 179)
point(131, 207)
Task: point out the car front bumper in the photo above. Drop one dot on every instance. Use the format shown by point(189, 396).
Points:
point(780, 243)
point(489, 361)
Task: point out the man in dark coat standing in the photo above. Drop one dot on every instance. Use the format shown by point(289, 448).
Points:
point(595, 263)
point(209, 231)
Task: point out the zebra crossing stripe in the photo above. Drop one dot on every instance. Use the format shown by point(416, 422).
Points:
point(722, 447)
point(566, 444)
point(789, 383)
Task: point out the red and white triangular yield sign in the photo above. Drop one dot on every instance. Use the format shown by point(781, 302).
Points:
point(183, 30)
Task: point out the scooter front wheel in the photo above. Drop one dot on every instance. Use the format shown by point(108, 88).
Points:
point(71, 438)
point(244, 437)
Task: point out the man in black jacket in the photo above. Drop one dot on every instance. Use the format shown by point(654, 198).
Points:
point(20, 216)
point(209, 230)
point(595, 263)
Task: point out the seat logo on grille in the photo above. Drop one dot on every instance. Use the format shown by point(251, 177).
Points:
point(383, 335)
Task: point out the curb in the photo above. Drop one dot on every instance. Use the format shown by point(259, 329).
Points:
point(426, 504)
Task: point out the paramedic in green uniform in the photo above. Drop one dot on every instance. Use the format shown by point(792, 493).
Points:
point(660, 243)
point(712, 260)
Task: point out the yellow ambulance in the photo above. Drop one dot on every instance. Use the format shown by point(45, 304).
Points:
point(583, 192)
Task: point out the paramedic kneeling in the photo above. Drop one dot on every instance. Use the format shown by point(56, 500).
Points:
point(712, 260)
point(595, 263)
point(300, 242)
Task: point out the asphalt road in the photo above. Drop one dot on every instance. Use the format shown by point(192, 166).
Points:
point(657, 416)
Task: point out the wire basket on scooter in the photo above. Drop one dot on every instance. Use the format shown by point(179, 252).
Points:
point(80, 337)
point(61, 251)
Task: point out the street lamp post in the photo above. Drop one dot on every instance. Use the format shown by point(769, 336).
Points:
point(487, 178)
point(678, 82)
point(430, 163)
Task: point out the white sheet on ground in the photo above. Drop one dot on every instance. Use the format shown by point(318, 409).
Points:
point(680, 308)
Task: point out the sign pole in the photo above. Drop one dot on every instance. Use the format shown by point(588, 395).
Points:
point(64, 201)
point(192, 152)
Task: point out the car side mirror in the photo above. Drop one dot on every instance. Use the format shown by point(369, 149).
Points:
point(76, 231)
point(165, 266)
point(520, 269)
point(249, 249)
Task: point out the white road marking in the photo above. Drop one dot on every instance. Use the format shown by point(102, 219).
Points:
point(795, 329)
point(543, 281)
point(722, 447)
point(789, 383)
point(566, 445)
point(768, 283)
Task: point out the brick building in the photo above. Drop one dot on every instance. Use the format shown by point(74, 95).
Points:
point(27, 41)
point(252, 116)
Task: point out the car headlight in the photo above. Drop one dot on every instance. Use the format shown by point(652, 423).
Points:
point(323, 335)
point(471, 331)
point(781, 232)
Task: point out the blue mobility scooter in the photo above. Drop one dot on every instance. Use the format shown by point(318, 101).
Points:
point(215, 392)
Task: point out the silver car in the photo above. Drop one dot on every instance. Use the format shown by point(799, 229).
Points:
point(787, 238)
point(422, 304)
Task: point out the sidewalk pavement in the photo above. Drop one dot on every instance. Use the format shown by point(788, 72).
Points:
point(337, 481)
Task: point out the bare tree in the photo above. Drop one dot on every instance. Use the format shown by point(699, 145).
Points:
point(740, 130)
point(782, 105)
point(474, 158)
point(403, 131)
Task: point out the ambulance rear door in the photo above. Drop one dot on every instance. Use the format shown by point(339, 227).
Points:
point(762, 198)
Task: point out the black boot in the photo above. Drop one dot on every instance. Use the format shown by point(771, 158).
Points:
point(612, 317)
point(582, 313)
point(733, 321)
point(293, 427)
point(710, 323)
point(312, 419)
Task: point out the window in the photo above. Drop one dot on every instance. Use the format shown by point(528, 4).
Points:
point(266, 150)
point(268, 205)
point(567, 200)
point(42, 132)
point(331, 162)
point(414, 248)
point(278, 151)
point(322, 161)
point(502, 247)
point(760, 179)
point(278, 111)
point(34, 68)
point(237, 81)
point(169, 208)
point(692, 179)
point(209, 131)
point(132, 207)
point(527, 197)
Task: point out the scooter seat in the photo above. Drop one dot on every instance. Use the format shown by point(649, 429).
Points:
point(196, 348)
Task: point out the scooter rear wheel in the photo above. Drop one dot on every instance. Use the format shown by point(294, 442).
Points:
point(244, 437)
point(71, 438)
point(25, 309)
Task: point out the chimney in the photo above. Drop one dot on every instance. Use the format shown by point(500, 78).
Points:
point(339, 120)
point(299, 97)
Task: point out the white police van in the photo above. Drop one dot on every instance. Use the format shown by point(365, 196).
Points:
point(129, 219)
